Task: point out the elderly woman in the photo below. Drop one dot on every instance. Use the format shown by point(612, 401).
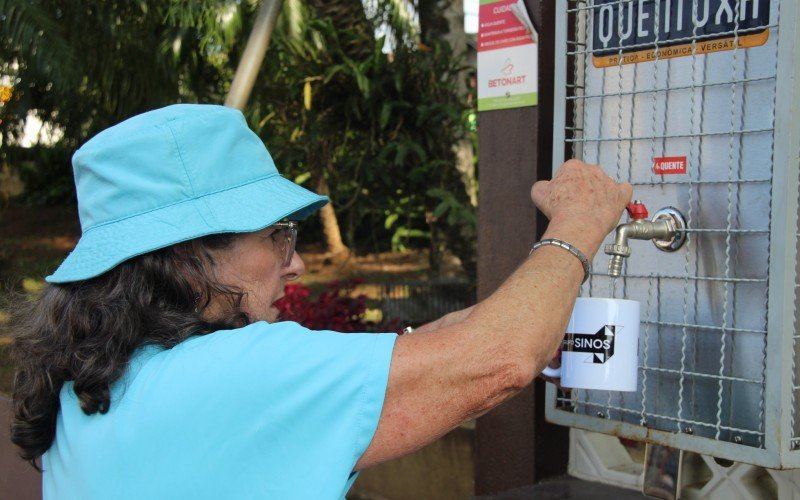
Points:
point(153, 364)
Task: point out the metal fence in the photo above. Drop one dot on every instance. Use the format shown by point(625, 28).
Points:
point(418, 302)
point(626, 103)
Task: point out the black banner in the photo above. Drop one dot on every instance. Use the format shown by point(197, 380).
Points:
point(634, 25)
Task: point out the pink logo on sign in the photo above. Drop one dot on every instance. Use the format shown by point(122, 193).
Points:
point(666, 165)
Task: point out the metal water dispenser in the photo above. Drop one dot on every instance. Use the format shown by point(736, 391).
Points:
point(695, 103)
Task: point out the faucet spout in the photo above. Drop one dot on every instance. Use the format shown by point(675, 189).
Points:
point(664, 230)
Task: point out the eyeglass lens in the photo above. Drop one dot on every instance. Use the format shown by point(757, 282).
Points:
point(285, 236)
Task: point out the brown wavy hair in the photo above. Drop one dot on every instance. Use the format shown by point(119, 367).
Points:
point(86, 331)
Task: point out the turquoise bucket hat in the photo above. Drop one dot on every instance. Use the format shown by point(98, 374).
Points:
point(172, 175)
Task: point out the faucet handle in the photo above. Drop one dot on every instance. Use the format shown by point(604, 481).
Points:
point(637, 210)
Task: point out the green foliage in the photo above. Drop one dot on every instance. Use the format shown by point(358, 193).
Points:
point(29, 28)
point(457, 212)
point(379, 127)
point(84, 65)
point(376, 128)
point(42, 171)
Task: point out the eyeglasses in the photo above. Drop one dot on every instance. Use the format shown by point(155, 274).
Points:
point(285, 238)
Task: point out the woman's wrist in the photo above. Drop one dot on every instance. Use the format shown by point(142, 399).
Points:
point(585, 264)
point(581, 234)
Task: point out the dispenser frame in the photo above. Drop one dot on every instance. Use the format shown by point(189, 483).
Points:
point(781, 384)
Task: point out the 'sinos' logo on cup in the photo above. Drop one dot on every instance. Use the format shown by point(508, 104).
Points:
point(600, 344)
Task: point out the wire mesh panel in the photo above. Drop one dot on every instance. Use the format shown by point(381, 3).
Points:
point(795, 365)
point(679, 98)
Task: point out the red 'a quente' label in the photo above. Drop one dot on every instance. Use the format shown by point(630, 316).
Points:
point(665, 165)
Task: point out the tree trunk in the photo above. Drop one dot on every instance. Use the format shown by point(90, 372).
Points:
point(457, 37)
point(445, 19)
point(330, 224)
point(432, 23)
point(349, 14)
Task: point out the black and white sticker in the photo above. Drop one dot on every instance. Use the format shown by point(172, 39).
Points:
point(599, 344)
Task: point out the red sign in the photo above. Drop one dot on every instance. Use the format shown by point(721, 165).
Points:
point(666, 165)
point(499, 27)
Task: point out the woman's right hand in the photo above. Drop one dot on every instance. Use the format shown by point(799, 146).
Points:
point(584, 198)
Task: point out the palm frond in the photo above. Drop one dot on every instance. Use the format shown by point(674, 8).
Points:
point(32, 35)
point(217, 23)
point(400, 20)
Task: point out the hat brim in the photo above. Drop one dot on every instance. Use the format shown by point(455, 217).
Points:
point(246, 208)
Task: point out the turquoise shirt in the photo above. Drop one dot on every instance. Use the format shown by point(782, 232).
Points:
point(264, 411)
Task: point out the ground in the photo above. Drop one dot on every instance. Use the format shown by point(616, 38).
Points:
point(34, 240)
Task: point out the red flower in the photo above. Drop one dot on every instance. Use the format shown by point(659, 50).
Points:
point(335, 308)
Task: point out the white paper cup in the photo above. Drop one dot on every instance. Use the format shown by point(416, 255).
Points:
point(600, 349)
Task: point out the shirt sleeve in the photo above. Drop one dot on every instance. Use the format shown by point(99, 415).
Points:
point(286, 401)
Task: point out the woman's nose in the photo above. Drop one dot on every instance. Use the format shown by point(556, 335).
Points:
point(295, 269)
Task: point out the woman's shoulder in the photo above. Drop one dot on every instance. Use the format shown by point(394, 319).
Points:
point(246, 337)
point(270, 353)
point(262, 333)
point(252, 342)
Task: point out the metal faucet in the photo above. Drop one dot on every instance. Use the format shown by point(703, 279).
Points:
point(666, 229)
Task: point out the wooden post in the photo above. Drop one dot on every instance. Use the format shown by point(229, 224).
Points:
point(515, 446)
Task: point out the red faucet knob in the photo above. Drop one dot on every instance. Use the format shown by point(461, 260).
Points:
point(637, 210)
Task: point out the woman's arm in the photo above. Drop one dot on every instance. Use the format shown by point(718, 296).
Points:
point(446, 320)
point(443, 375)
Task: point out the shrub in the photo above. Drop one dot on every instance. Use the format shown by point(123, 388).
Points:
point(334, 308)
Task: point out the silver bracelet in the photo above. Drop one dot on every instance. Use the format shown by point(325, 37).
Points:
point(587, 268)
